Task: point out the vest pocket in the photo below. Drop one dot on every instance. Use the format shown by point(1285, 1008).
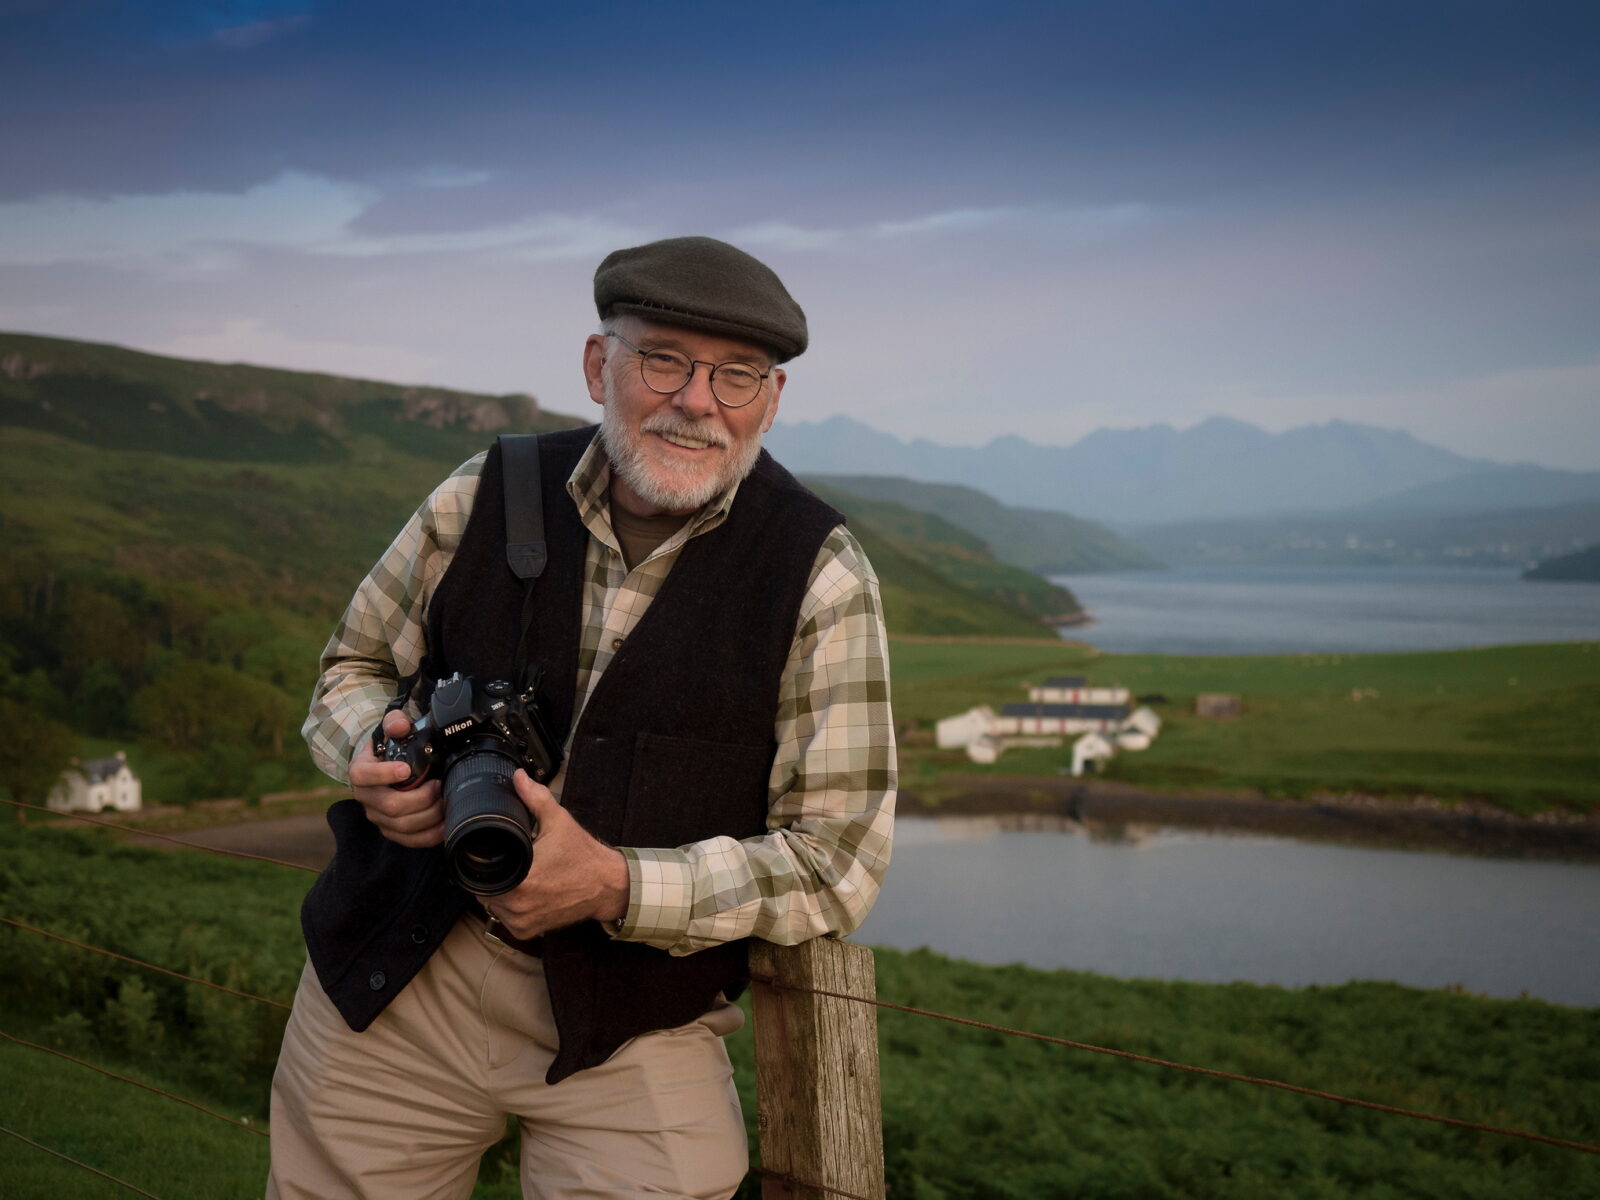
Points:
point(683, 790)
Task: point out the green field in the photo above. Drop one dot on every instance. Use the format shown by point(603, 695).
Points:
point(1518, 726)
point(967, 1113)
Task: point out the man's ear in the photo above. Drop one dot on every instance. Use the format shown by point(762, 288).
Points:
point(779, 378)
point(594, 365)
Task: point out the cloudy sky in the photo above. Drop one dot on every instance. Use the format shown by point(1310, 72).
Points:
point(1000, 217)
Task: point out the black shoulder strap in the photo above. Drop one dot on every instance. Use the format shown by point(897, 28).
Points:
point(519, 472)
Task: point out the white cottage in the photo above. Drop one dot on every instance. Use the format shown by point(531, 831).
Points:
point(1091, 748)
point(1102, 713)
point(1074, 689)
point(96, 785)
point(960, 731)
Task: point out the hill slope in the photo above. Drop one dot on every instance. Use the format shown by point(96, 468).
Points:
point(943, 579)
point(1030, 538)
point(181, 537)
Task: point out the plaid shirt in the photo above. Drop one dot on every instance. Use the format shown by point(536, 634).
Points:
point(831, 792)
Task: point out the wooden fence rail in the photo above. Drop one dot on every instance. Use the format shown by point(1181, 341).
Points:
point(819, 1108)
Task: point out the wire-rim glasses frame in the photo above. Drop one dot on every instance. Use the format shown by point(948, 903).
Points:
point(672, 365)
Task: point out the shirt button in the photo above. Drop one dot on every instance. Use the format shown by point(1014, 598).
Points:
point(616, 643)
point(419, 934)
point(376, 980)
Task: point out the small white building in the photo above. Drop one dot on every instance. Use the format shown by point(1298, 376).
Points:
point(1074, 689)
point(1089, 749)
point(96, 785)
point(1023, 719)
point(960, 731)
point(1145, 721)
point(1106, 720)
point(985, 749)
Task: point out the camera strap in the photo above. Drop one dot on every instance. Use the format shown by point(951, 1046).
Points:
point(526, 552)
point(519, 473)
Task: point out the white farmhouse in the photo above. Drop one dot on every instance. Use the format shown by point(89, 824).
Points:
point(1023, 719)
point(98, 784)
point(1072, 708)
point(1145, 721)
point(960, 731)
point(1090, 748)
point(1073, 689)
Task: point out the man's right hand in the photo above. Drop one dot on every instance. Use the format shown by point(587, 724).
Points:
point(411, 818)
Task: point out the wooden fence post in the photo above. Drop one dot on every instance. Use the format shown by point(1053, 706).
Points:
point(819, 1108)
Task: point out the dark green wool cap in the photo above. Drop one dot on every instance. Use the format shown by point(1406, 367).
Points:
point(701, 283)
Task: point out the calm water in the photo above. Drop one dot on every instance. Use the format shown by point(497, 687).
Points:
point(1289, 610)
point(1182, 905)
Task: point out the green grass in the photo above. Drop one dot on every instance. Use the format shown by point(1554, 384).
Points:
point(1518, 726)
point(165, 1148)
point(967, 1113)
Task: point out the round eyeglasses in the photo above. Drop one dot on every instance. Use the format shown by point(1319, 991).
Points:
point(734, 384)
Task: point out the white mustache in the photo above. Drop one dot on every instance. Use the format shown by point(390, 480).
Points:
point(682, 427)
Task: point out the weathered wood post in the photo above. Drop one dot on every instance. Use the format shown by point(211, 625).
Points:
point(819, 1108)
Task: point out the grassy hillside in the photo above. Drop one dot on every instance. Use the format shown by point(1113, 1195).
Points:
point(966, 1113)
point(1514, 725)
point(121, 399)
point(181, 537)
point(954, 555)
point(1031, 538)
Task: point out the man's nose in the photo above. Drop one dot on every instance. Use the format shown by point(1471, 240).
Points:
point(696, 397)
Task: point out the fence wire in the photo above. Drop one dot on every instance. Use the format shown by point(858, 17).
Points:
point(138, 1191)
point(141, 963)
point(1177, 1066)
point(165, 837)
point(775, 984)
point(149, 1087)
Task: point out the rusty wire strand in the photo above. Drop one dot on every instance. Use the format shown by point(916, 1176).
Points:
point(148, 966)
point(165, 837)
point(68, 1158)
point(776, 985)
point(149, 1087)
point(1177, 1066)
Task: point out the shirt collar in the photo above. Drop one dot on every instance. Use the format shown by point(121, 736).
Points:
point(589, 485)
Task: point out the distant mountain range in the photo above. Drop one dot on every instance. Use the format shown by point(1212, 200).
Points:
point(1220, 468)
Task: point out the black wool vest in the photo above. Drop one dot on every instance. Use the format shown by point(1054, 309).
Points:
point(675, 745)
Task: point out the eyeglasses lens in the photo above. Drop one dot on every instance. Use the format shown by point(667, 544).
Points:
point(733, 384)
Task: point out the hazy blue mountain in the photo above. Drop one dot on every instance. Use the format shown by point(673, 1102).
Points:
point(1508, 537)
point(1490, 488)
point(1221, 467)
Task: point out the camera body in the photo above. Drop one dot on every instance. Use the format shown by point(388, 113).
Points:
point(473, 738)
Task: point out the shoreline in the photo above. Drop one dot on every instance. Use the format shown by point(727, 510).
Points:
point(1046, 802)
point(1417, 823)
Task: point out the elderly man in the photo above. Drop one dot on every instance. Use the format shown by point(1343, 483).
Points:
point(714, 663)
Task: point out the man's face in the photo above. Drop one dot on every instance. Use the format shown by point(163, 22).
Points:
point(673, 452)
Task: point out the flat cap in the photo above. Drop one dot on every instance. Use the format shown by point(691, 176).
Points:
point(701, 283)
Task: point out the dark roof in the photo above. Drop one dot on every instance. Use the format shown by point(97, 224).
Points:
point(98, 770)
point(1091, 712)
point(1064, 681)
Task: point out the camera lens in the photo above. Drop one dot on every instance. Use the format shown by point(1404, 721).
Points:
point(488, 830)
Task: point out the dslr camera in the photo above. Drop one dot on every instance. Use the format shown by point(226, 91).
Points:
point(474, 737)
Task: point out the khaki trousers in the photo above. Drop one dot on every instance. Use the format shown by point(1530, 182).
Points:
point(404, 1110)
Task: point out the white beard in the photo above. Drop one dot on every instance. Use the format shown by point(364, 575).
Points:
point(665, 483)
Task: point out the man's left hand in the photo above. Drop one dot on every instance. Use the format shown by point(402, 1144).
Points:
point(574, 876)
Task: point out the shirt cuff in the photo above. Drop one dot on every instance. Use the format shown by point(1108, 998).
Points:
point(660, 896)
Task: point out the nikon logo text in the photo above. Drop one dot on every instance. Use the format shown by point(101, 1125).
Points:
point(457, 727)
